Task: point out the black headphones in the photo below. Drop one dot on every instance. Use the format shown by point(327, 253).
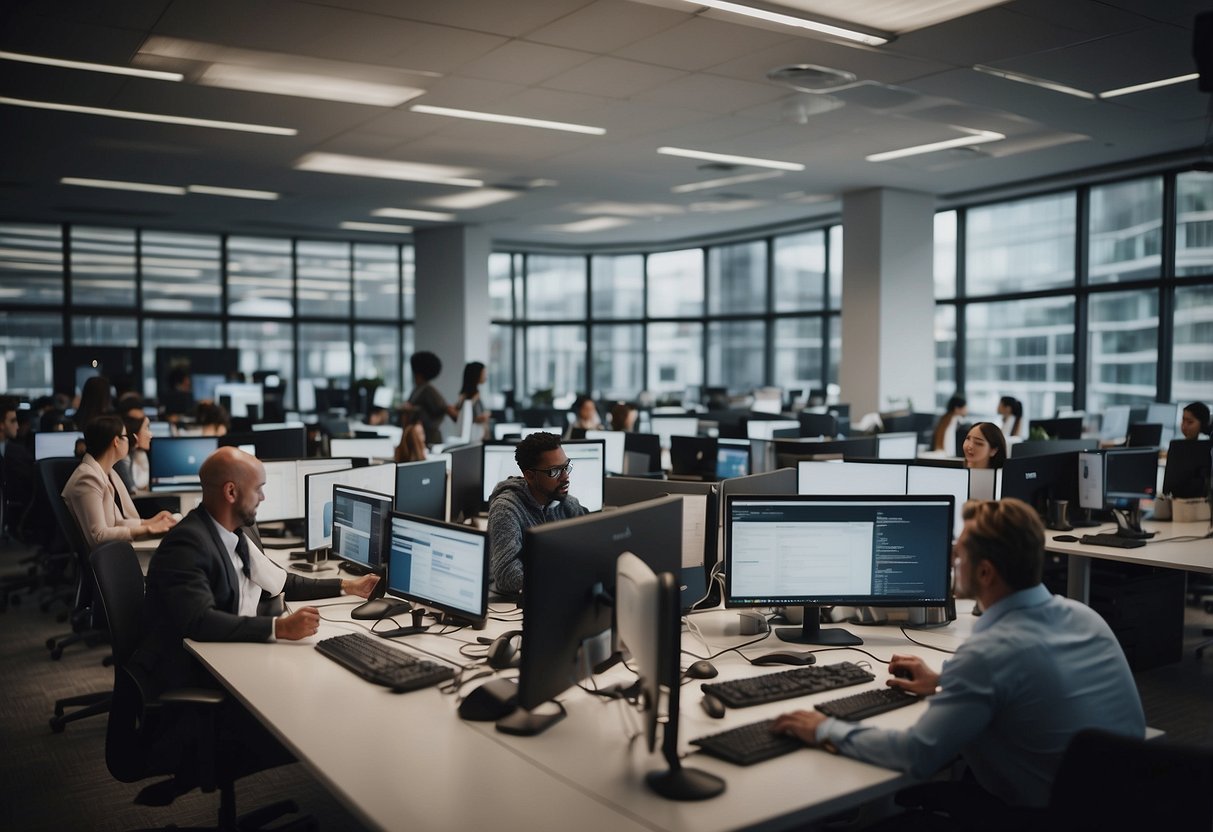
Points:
point(503, 651)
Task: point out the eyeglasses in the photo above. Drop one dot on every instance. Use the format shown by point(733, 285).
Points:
point(553, 473)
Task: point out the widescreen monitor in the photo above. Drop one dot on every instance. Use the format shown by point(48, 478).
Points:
point(1130, 474)
point(567, 631)
point(56, 443)
point(766, 428)
point(1188, 464)
point(498, 464)
point(1114, 426)
point(1037, 480)
point(1165, 414)
point(202, 385)
point(667, 426)
point(360, 525)
point(693, 456)
point(243, 401)
point(318, 497)
point(1047, 447)
point(439, 565)
point(284, 486)
point(585, 479)
point(421, 488)
point(280, 443)
point(836, 551)
point(614, 442)
point(732, 458)
point(380, 447)
point(173, 462)
point(872, 478)
point(642, 453)
point(160, 429)
point(1068, 427)
point(927, 480)
point(896, 445)
point(466, 471)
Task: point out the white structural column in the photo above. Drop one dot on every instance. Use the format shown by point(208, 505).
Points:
point(888, 300)
point(452, 300)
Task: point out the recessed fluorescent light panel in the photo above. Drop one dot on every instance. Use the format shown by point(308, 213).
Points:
point(304, 85)
point(974, 137)
point(119, 185)
point(91, 67)
point(153, 117)
point(236, 193)
point(591, 225)
point(821, 27)
point(729, 159)
point(709, 184)
point(386, 169)
point(381, 227)
point(409, 214)
point(626, 209)
point(1150, 85)
point(1032, 80)
point(498, 118)
point(469, 200)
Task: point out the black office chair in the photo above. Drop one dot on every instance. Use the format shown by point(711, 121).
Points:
point(1105, 781)
point(136, 746)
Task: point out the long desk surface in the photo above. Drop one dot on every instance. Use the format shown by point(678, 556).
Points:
point(408, 759)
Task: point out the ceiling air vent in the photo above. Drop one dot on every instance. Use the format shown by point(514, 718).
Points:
point(810, 78)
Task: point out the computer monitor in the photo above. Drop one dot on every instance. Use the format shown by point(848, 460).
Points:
point(589, 470)
point(1188, 468)
point(896, 445)
point(1144, 435)
point(1040, 480)
point(693, 456)
point(243, 401)
point(284, 486)
point(72, 366)
point(732, 458)
point(924, 480)
point(203, 385)
point(1049, 447)
point(438, 565)
point(360, 525)
point(1119, 479)
point(504, 430)
point(279, 443)
point(871, 478)
point(818, 424)
point(788, 452)
point(614, 442)
point(647, 627)
point(829, 551)
point(173, 462)
point(56, 443)
point(421, 488)
point(1069, 427)
point(1165, 414)
point(467, 473)
point(645, 448)
point(318, 497)
point(567, 592)
point(160, 429)
point(498, 464)
point(667, 426)
point(380, 447)
point(766, 428)
point(1114, 425)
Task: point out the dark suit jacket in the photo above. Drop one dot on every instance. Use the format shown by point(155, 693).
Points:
point(192, 593)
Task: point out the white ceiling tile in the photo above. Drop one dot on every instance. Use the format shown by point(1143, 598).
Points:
point(699, 43)
point(518, 62)
point(599, 27)
point(612, 78)
point(713, 94)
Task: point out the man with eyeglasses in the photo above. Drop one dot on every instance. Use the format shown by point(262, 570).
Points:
point(539, 496)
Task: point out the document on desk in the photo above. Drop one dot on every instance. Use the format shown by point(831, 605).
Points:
point(694, 528)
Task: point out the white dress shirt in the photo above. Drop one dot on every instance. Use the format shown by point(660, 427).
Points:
point(264, 574)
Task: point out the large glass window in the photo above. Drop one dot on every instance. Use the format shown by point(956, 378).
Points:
point(180, 272)
point(26, 339)
point(265, 346)
point(798, 348)
point(1020, 246)
point(945, 256)
point(945, 355)
point(737, 279)
point(555, 288)
point(324, 359)
point(675, 288)
point(1122, 348)
point(105, 331)
point(735, 355)
point(1126, 231)
point(172, 332)
point(836, 268)
point(408, 282)
point(618, 360)
point(377, 355)
point(376, 281)
point(1194, 223)
point(618, 286)
point(1192, 361)
point(800, 272)
point(500, 365)
point(31, 264)
point(322, 280)
point(103, 266)
point(501, 287)
point(1022, 348)
point(675, 352)
point(555, 359)
point(259, 277)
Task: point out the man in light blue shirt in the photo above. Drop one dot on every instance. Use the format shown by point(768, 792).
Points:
point(1037, 670)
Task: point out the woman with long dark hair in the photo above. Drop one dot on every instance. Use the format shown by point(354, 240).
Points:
point(945, 429)
point(474, 375)
point(1011, 411)
point(985, 446)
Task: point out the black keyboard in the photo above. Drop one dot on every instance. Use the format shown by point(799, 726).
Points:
point(748, 744)
point(1112, 540)
point(788, 684)
point(377, 662)
point(868, 703)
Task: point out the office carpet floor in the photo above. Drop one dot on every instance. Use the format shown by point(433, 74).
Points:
point(60, 782)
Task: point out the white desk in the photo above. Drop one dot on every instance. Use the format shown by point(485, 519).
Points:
point(1193, 555)
point(408, 759)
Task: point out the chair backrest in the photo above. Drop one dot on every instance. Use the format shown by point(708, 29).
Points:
point(54, 473)
point(120, 583)
point(1107, 781)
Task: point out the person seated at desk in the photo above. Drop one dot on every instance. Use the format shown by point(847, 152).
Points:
point(539, 496)
point(212, 419)
point(96, 495)
point(985, 446)
point(944, 438)
point(1014, 426)
point(17, 471)
point(134, 468)
point(1195, 421)
point(1038, 669)
point(585, 414)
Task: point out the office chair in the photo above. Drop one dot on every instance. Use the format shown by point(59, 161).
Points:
point(54, 474)
point(136, 747)
point(1105, 781)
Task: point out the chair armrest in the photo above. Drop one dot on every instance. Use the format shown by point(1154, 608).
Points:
point(192, 696)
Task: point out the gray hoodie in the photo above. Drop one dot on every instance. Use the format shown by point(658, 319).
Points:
point(512, 510)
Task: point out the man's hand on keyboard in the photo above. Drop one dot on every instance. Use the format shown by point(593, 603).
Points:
point(799, 724)
point(302, 623)
point(912, 675)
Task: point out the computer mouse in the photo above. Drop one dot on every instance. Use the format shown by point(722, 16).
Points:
point(903, 673)
point(1065, 538)
point(490, 702)
point(785, 657)
point(712, 706)
point(702, 669)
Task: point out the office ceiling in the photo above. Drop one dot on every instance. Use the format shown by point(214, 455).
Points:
point(652, 74)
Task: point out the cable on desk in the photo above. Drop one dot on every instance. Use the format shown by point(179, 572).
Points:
point(734, 649)
point(924, 644)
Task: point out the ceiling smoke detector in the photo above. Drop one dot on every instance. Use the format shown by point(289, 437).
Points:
point(812, 79)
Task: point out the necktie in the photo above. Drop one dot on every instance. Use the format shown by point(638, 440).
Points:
point(242, 551)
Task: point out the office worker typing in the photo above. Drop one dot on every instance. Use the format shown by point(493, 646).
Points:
point(1038, 669)
point(540, 495)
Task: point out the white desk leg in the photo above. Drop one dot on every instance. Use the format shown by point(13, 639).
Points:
point(1078, 578)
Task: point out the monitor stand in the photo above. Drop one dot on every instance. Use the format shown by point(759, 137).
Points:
point(524, 723)
point(811, 633)
point(1128, 523)
point(418, 614)
point(378, 608)
point(1086, 520)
